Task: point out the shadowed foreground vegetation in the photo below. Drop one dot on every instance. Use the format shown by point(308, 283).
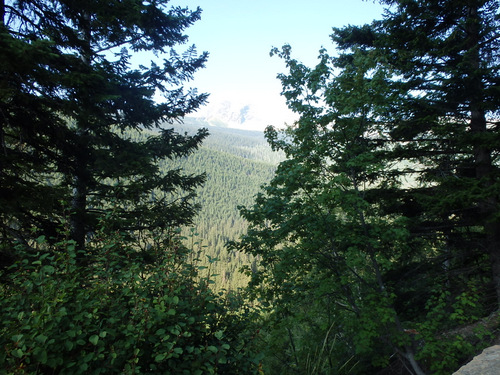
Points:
point(370, 240)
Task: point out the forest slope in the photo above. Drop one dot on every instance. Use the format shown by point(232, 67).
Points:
point(236, 162)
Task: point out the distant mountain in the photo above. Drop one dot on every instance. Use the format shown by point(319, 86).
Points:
point(233, 114)
point(228, 114)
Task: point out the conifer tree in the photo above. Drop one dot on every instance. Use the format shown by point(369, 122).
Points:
point(73, 114)
point(70, 93)
point(384, 216)
point(443, 117)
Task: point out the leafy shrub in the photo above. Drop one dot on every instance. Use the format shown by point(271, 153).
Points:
point(444, 346)
point(128, 311)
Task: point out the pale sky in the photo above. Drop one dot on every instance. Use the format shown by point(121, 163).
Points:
point(239, 34)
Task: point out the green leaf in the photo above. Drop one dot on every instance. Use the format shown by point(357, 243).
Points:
point(94, 339)
point(18, 353)
point(41, 338)
point(42, 357)
point(69, 344)
point(17, 338)
point(48, 269)
point(159, 357)
point(160, 332)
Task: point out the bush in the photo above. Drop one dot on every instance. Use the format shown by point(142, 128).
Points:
point(128, 311)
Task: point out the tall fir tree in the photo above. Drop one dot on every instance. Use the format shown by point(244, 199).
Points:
point(384, 216)
point(443, 117)
point(69, 95)
point(75, 122)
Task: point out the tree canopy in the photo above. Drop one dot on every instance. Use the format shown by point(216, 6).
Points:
point(70, 90)
point(384, 217)
point(94, 278)
point(375, 247)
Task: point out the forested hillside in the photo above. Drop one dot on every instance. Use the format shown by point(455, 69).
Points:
point(236, 163)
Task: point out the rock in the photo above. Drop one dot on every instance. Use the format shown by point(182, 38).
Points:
point(486, 363)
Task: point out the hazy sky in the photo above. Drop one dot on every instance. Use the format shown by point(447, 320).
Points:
point(239, 34)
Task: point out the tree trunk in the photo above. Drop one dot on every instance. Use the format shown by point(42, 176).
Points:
point(80, 180)
point(482, 154)
point(2, 11)
point(78, 207)
point(408, 353)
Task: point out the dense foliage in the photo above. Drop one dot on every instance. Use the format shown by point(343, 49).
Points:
point(94, 278)
point(119, 315)
point(69, 91)
point(379, 232)
point(373, 248)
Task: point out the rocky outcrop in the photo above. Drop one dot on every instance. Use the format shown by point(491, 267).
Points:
point(486, 363)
